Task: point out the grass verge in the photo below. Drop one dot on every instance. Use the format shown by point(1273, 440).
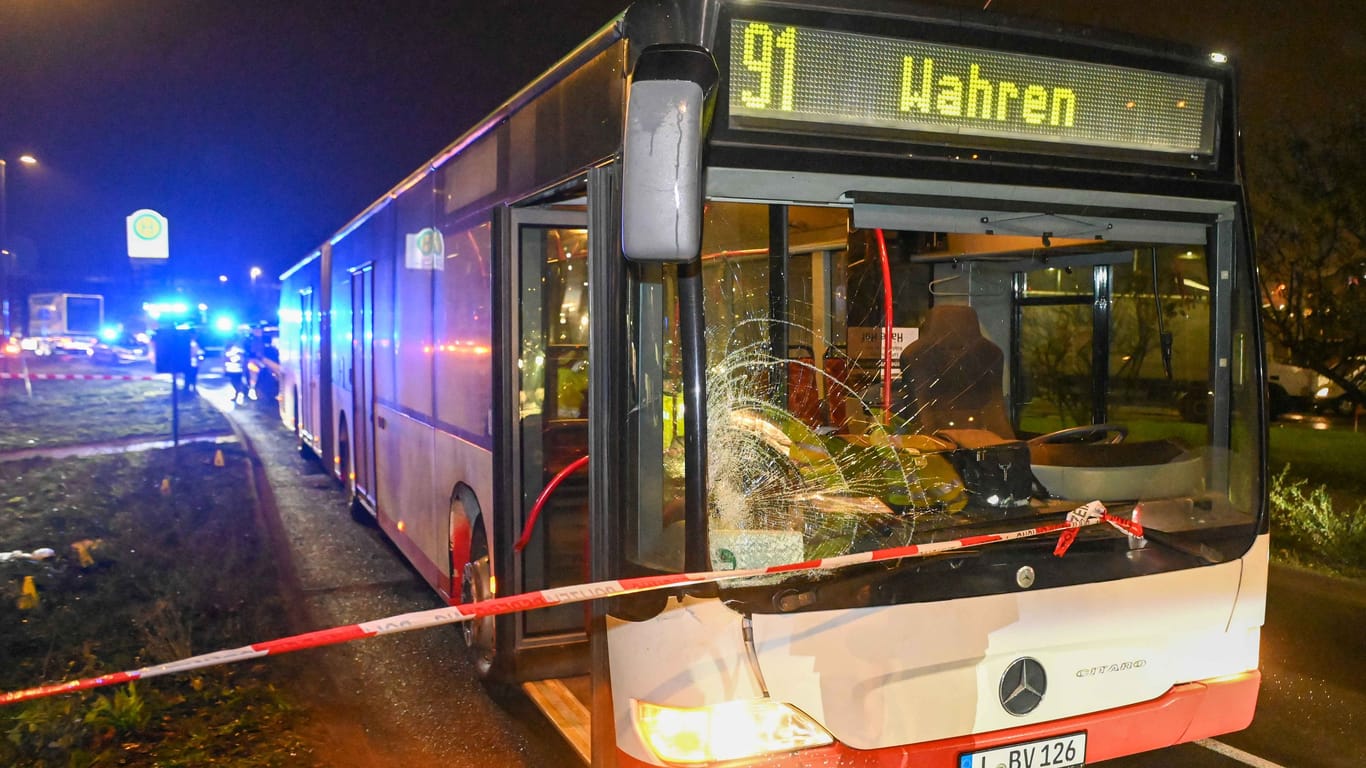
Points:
point(63, 413)
point(144, 541)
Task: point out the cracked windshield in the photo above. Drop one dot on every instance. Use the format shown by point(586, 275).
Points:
point(873, 389)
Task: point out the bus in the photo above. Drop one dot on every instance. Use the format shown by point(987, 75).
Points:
point(736, 285)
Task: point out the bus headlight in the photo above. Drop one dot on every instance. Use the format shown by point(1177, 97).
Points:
point(730, 730)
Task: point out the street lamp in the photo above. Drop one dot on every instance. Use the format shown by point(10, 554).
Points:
point(7, 260)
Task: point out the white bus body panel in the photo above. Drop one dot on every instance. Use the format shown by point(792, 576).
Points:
point(403, 459)
point(418, 468)
point(905, 674)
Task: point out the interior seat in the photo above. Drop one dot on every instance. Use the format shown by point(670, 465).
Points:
point(952, 375)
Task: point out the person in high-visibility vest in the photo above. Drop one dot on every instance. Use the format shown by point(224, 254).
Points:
point(234, 366)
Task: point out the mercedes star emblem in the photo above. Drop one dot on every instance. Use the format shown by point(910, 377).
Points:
point(1023, 686)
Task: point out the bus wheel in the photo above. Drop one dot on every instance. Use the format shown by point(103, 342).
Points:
point(356, 507)
point(475, 585)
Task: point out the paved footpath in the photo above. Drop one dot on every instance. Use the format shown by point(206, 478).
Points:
point(403, 700)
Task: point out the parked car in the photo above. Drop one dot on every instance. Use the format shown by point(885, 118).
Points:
point(1330, 398)
point(123, 350)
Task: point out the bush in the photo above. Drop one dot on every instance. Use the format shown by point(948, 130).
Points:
point(1311, 529)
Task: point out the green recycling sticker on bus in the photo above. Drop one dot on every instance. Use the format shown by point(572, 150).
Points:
point(784, 76)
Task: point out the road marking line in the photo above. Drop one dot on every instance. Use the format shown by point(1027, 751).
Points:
point(1246, 758)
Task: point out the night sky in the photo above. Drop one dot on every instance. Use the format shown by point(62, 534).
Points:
point(259, 128)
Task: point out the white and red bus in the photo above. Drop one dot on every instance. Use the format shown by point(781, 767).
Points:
point(740, 284)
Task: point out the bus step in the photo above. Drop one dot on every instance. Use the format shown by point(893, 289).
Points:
point(565, 703)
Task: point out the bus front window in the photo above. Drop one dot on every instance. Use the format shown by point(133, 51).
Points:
point(1019, 383)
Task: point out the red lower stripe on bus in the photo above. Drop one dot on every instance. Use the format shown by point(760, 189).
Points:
point(1187, 712)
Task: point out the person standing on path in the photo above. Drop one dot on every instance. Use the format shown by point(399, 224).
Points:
point(192, 373)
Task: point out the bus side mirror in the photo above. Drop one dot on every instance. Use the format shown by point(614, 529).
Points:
point(668, 109)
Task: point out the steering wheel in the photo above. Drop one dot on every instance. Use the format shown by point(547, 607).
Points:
point(1087, 433)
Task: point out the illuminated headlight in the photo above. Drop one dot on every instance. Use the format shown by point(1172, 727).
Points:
point(728, 731)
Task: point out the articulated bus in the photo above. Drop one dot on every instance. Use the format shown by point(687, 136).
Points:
point(742, 284)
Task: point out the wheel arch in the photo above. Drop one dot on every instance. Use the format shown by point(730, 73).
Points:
point(465, 517)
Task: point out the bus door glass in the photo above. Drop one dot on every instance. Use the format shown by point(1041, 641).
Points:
point(552, 375)
point(362, 375)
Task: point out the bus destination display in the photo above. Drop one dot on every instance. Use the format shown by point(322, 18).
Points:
point(855, 84)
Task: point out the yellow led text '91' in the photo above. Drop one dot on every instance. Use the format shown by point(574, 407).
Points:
point(760, 45)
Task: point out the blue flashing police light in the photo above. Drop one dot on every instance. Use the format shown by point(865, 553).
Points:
point(110, 332)
point(171, 309)
point(224, 323)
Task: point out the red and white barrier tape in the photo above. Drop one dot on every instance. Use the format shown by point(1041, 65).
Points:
point(1089, 514)
point(82, 377)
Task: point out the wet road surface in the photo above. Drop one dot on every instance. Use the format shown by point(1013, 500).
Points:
point(410, 699)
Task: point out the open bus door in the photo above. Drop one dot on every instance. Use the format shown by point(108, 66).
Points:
point(548, 543)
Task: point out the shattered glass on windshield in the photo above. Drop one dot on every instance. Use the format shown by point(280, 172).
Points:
point(868, 390)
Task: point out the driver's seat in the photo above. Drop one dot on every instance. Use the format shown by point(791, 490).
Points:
point(952, 375)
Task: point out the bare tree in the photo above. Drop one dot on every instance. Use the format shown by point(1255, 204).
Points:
point(1308, 188)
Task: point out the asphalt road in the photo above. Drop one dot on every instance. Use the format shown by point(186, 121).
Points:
point(401, 700)
point(411, 699)
point(1313, 705)
point(1312, 708)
